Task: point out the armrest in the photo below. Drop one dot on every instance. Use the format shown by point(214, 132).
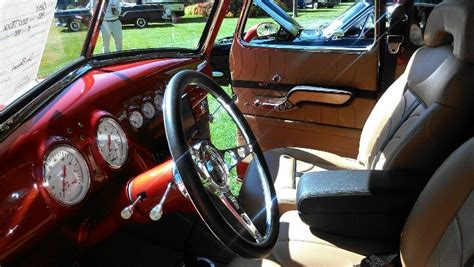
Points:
point(362, 204)
point(303, 94)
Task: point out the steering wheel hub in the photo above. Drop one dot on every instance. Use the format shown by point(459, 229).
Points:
point(212, 165)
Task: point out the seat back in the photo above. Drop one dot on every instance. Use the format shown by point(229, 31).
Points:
point(423, 116)
point(440, 228)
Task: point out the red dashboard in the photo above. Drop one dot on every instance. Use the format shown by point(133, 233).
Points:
point(71, 118)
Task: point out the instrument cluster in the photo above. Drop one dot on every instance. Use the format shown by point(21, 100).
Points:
point(66, 174)
point(150, 107)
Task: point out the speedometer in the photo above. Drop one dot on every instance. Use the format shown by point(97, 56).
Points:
point(66, 175)
point(112, 142)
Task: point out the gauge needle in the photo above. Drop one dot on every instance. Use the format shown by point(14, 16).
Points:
point(109, 141)
point(64, 179)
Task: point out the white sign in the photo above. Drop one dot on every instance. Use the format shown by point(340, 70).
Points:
point(24, 28)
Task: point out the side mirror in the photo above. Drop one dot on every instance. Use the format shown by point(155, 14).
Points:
point(266, 29)
point(337, 35)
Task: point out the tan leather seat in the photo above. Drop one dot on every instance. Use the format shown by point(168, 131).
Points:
point(417, 122)
point(438, 232)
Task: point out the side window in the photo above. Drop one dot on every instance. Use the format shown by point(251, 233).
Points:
point(324, 24)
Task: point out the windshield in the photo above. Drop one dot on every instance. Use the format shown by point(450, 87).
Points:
point(344, 18)
point(37, 38)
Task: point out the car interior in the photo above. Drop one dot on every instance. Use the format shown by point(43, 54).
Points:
point(112, 160)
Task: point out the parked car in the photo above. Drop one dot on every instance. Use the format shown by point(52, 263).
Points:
point(141, 15)
point(320, 3)
point(73, 19)
point(138, 158)
point(138, 15)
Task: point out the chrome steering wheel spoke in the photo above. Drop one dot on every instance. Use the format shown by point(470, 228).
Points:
point(232, 205)
point(236, 154)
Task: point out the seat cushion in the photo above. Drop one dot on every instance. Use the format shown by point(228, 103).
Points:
point(297, 245)
point(288, 164)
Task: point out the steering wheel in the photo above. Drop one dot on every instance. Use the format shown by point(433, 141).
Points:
point(247, 222)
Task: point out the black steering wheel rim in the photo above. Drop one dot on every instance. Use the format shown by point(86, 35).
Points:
point(187, 172)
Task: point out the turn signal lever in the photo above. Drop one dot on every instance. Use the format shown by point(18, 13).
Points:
point(157, 211)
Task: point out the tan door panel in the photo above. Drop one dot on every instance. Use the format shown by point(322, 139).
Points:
point(274, 133)
point(268, 74)
point(330, 69)
point(352, 115)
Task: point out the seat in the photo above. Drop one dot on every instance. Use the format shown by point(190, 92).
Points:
point(418, 121)
point(438, 232)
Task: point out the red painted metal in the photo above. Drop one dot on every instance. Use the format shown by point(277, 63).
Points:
point(27, 212)
point(154, 183)
point(214, 29)
point(251, 33)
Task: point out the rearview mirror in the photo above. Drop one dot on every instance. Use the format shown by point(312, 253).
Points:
point(266, 29)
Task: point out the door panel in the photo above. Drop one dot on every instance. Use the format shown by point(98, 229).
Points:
point(332, 69)
point(270, 72)
point(273, 133)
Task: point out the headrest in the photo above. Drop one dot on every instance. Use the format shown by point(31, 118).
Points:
point(452, 21)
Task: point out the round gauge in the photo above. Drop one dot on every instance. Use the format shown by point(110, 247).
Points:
point(112, 142)
point(66, 175)
point(148, 110)
point(136, 119)
point(158, 101)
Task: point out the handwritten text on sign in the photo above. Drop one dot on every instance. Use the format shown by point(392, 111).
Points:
point(24, 28)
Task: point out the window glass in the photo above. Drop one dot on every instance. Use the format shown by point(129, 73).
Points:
point(36, 39)
point(321, 23)
point(135, 24)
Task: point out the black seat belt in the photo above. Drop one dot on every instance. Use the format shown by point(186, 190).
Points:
point(393, 40)
point(389, 260)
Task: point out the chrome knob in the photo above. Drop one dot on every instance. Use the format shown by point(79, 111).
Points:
point(157, 211)
point(127, 212)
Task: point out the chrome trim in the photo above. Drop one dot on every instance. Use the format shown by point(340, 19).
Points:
point(264, 182)
point(319, 49)
point(178, 181)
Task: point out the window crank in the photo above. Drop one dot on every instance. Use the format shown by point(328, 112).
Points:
point(127, 212)
point(157, 211)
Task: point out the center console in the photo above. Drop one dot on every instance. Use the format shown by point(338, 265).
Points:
point(364, 204)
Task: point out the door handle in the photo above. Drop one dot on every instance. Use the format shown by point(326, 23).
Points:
point(303, 94)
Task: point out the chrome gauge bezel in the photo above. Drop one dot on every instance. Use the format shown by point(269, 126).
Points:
point(136, 114)
point(148, 110)
point(123, 142)
point(158, 102)
point(83, 167)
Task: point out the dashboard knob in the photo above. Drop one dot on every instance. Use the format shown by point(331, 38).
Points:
point(157, 211)
point(127, 212)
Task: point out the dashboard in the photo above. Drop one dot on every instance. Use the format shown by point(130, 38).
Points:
point(82, 149)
